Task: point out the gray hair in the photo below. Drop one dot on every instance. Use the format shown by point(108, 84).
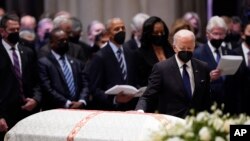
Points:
point(216, 21)
point(76, 24)
point(91, 24)
point(44, 20)
point(138, 20)
point(182, 33)
point(59, 20)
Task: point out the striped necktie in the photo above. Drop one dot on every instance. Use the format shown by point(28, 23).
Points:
point(122, 64)
point(68, 77)
point(17, 70)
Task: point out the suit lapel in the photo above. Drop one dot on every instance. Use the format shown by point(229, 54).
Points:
point(113, 59)
point(23, 55)
point(178, 77)
point(58, 67)
point(210, 56)
point(196, 76)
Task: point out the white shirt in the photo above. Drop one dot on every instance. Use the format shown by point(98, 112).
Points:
point(245, 51)
point(189, 70)
point(10, 51)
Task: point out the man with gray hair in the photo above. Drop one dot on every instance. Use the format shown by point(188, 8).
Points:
point(179, 83)
point(211, 52)
point(136, 26)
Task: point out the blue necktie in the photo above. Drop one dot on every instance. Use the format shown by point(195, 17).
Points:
point(217, 55)
point(68, 77)
point(121, 63)
point(186, 81)
point(17, 71)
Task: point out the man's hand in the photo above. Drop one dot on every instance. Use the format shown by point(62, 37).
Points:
point(123, 98)
point(76, 105)
point(29, 105)
point(3, 125)
point(215, 74)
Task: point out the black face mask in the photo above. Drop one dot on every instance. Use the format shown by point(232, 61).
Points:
point(158, 40)
point(247, 40)
point(74, 39)
point(216, 42)
point(13, 37)
point(232, 37)
point(119, 37)
point(185, 56)
point(46, 36)
point(62, 48)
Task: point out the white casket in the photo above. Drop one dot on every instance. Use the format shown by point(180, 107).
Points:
point(88, 125)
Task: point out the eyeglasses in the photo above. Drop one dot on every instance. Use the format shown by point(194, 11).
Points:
point(216, 34)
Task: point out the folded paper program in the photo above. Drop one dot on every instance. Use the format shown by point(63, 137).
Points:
point(126, 89)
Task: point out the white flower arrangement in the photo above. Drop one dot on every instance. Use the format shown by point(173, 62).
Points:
point(204, 126)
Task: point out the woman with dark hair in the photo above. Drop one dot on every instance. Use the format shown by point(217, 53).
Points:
point(155, 47)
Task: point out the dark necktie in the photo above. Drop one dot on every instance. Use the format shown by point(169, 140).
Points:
point(186, 81)
point(217, 55)
point(121, 63)
point(17, 71)
point(68, 77)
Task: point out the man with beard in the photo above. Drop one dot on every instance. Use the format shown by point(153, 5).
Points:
point(19, 90)
point(211, 53)
point(179, 83)
point(113, 65)
point(63, 82)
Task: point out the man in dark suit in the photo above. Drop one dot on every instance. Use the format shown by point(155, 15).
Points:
point(105, 70)
point(178, 84)
point(63, 82)
point(211, 53)
point(238, 85)
point(19, 91)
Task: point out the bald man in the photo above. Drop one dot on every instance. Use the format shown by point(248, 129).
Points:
point(179, 83)
point(28, 22)
point(105, 70)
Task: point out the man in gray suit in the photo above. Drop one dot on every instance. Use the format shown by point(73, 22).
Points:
point(178, 84)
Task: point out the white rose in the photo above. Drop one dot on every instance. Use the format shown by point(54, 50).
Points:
point(217, 124)
point(201, 116)
point(218, 138)
point(205, 134)
point(226, 125)
point(175, 139)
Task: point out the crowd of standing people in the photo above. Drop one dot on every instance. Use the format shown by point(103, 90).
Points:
point(44, 65)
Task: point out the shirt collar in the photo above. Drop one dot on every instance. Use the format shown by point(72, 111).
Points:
point(57, 56)
point(245, 49)
point(180, 63)
point(7, 46)
point(114, 47)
